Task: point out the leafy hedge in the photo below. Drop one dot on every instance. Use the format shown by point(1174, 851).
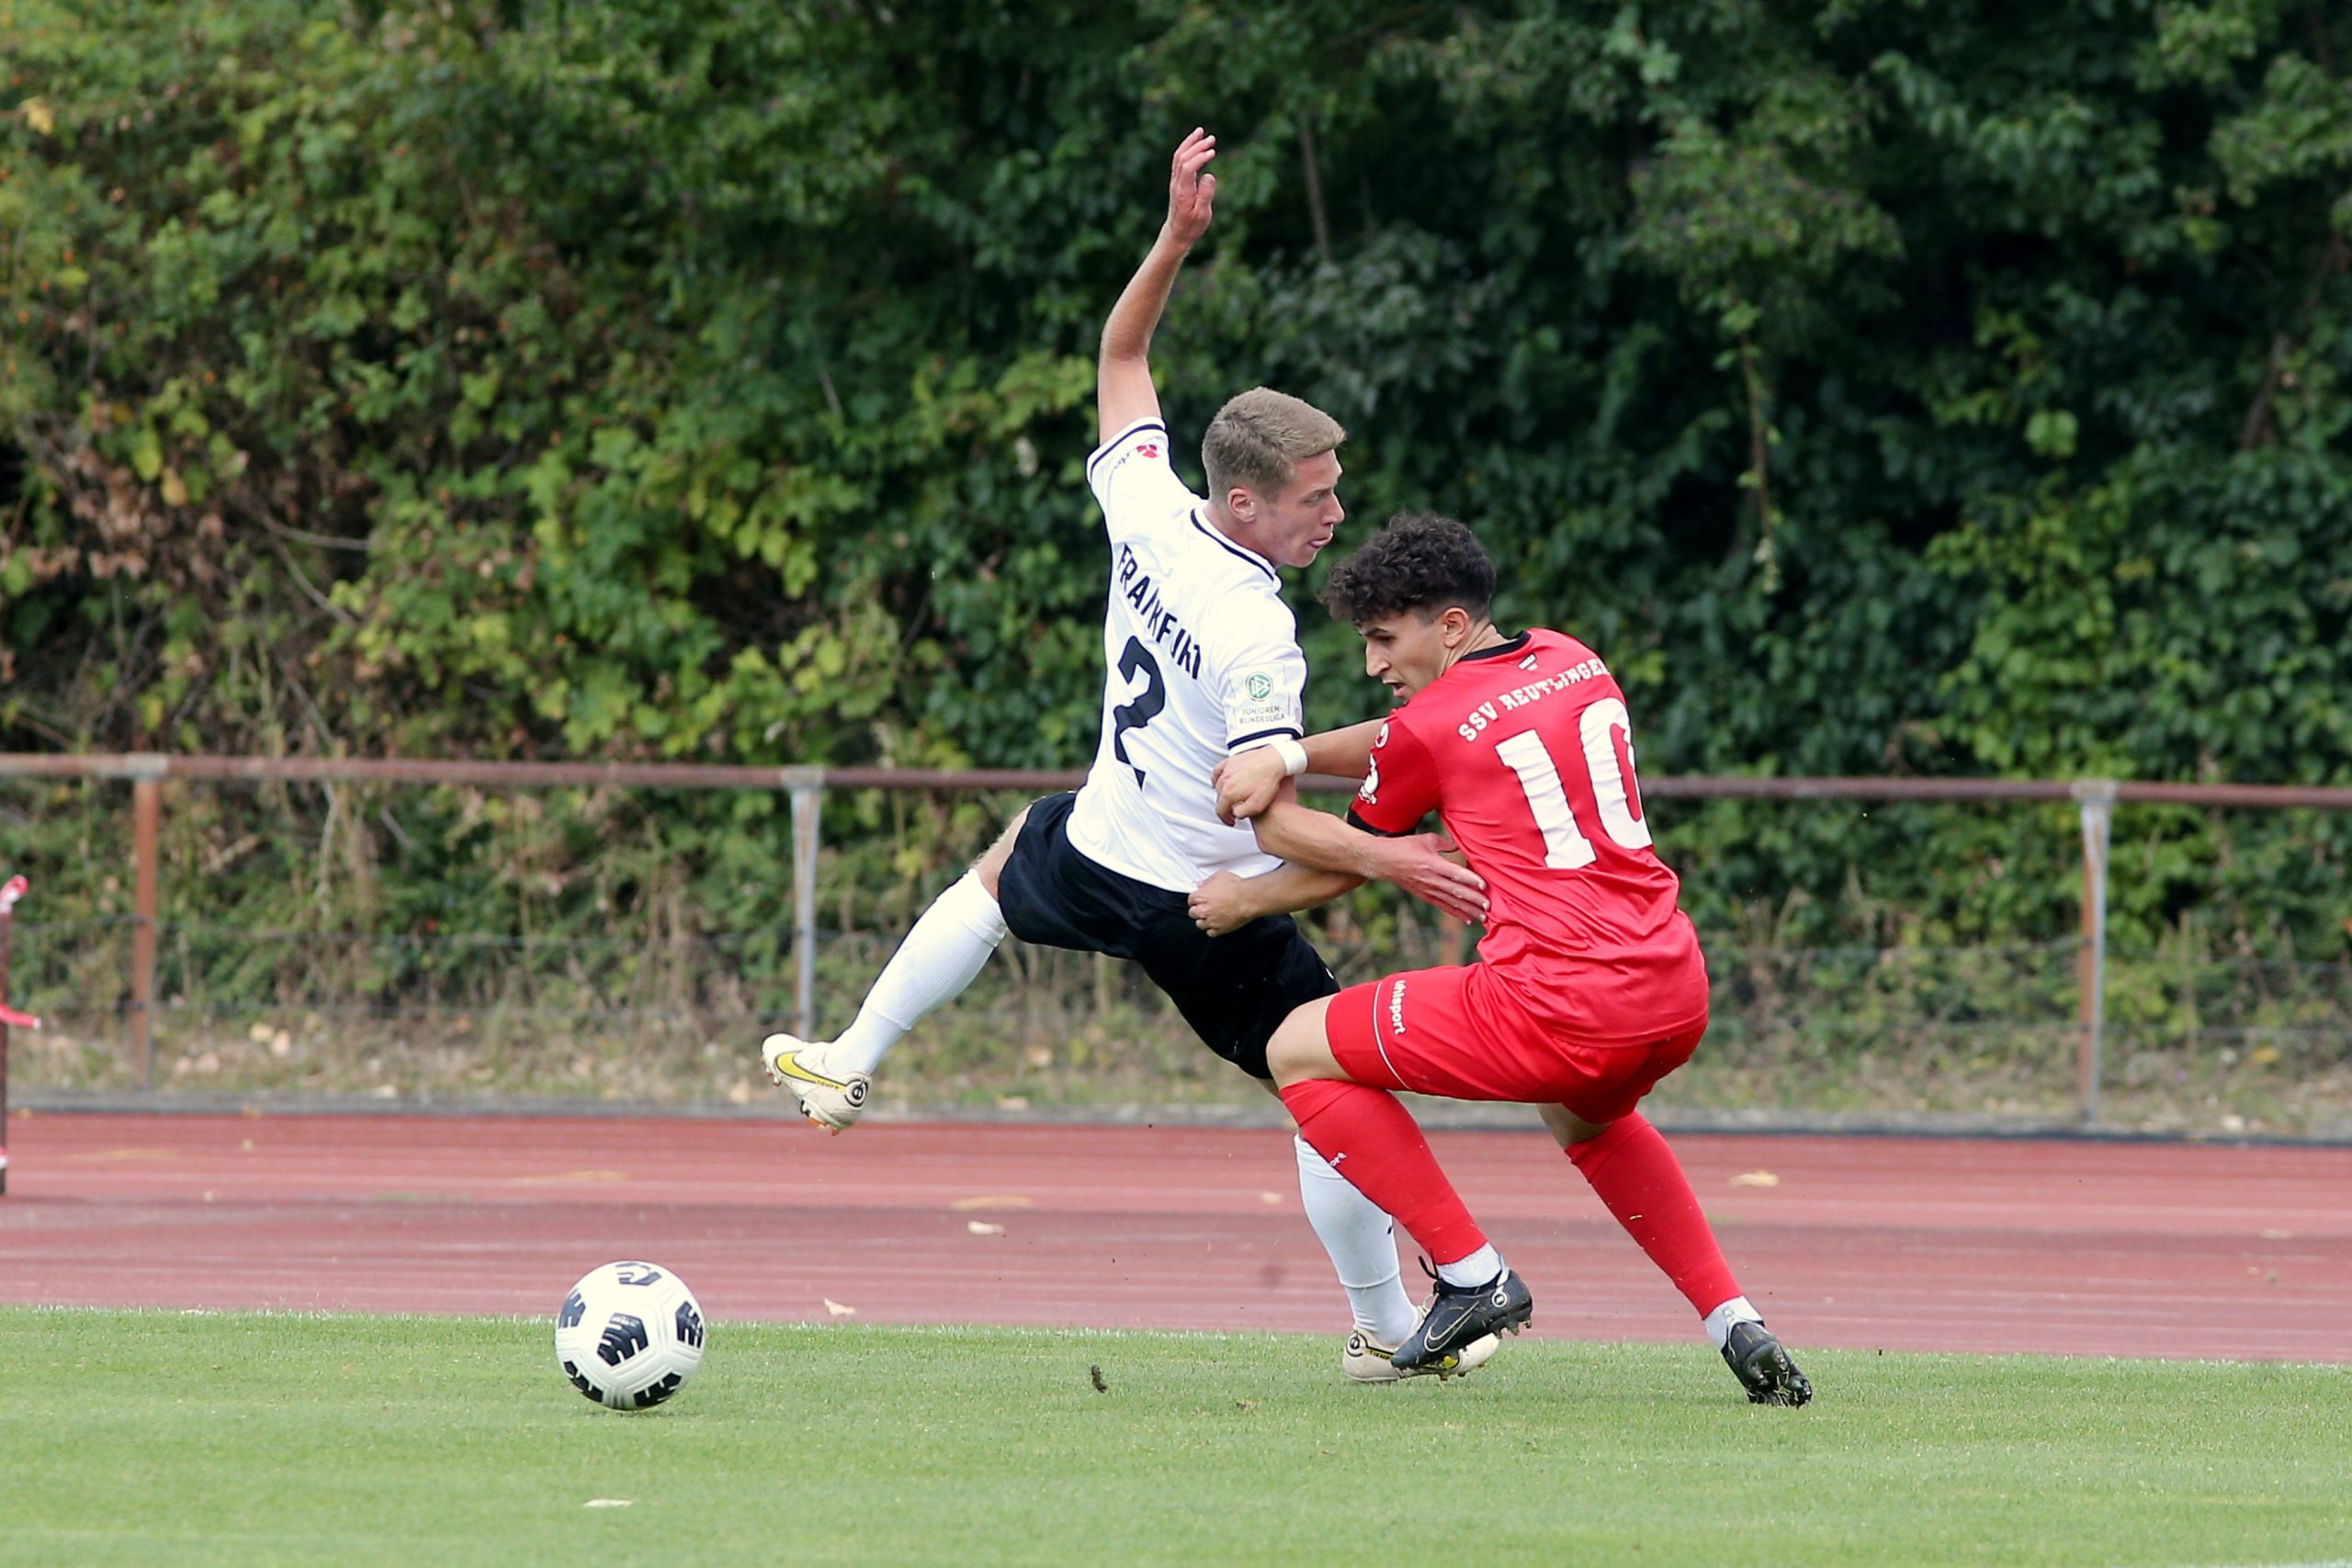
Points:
point(1957, 389)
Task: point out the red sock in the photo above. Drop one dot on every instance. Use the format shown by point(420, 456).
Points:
point(1375, 1143)
point(1635, 1174)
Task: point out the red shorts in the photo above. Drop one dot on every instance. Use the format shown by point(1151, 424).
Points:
point(1453, 1032)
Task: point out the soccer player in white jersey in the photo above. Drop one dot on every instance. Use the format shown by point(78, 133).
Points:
point(1202, 663)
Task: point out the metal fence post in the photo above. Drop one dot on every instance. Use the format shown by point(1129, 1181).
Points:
point(808, 787)
point(10, 891)
point(2095, 799)
point(146, 770)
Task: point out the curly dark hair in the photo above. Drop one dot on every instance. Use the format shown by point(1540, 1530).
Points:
point(1420, 562)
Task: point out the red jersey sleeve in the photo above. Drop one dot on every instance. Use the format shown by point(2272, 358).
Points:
point(1402, 786)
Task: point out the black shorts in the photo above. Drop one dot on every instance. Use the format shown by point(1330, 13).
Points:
point(1235, 989)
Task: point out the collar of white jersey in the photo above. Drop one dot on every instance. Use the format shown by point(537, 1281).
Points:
point(1252, 557)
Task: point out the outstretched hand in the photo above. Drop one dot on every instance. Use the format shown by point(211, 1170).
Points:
point(1191, 192)
point(1419, 866)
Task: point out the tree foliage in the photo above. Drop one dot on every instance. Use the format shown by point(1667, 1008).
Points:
point(1955, 390)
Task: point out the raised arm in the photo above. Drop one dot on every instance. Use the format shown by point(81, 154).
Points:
point(1123, 392)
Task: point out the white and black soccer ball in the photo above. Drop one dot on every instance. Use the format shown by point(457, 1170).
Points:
point(629, 1335)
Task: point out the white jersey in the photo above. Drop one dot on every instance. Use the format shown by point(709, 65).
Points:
point(1203, 662)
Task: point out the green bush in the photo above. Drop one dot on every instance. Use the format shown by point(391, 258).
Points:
point(1954, 390)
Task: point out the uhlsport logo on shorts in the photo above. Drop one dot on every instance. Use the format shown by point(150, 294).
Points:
point(1397, 1008)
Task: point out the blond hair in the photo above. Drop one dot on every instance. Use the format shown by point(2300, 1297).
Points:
point(1258, 438)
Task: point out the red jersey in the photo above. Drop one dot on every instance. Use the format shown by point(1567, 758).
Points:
point(1527, 752)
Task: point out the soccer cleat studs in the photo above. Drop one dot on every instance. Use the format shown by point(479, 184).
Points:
point(1764, 1368)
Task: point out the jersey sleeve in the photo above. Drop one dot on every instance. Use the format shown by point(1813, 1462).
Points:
point(1263, 693)
point(1401, 786)
point(1133, 481)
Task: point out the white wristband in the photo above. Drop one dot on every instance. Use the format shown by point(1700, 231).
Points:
point(1292, 754)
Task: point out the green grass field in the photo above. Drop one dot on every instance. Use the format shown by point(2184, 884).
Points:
point(147, 1437)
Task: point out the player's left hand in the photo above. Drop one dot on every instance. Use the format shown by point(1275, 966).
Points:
point(1218, 906)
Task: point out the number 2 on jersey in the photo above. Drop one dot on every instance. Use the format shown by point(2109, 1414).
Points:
point(1133, 659)
point(1565, 846)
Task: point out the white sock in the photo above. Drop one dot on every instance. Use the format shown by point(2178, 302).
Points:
point(1475, 1270)
point(1362, 1241)
point(946, 948)
point(1719, 1321)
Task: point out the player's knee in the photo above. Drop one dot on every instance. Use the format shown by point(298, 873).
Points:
point(1297, 1051)
point(1283, 1059)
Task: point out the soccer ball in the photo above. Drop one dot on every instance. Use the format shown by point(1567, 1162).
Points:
point(629, 1335)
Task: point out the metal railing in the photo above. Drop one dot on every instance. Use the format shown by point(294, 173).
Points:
point(148, 773)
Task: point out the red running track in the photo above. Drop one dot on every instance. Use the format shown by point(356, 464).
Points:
point(1928, 1244)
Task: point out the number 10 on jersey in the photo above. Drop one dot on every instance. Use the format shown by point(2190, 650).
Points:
point(1565, 846)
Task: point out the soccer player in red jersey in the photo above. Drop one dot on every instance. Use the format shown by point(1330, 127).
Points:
point(1589, 987)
